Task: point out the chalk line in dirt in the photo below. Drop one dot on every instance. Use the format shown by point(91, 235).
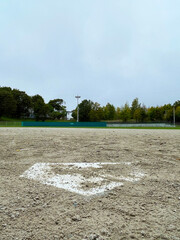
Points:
point(82, 178)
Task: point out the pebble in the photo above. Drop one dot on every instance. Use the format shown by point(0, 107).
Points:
point(104, 232)
point(56, 237)
point(76, 218)
point(171, 227)
point(17, 214)
point(132, 236)
point(110, 222)
point(61, 235)
point(143, 233)
point(93, 237)
point(132, 215)
point(4, 208)
point(20, 209)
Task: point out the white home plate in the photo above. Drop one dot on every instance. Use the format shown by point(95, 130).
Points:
point(84, 178)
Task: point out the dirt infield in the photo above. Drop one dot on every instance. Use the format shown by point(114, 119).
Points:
point(133, 194)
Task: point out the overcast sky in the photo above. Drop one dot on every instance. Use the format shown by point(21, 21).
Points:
point(104, 50)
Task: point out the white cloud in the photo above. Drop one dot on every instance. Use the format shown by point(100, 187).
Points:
point(103, 50)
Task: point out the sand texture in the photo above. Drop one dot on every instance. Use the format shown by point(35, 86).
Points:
point(137, 197)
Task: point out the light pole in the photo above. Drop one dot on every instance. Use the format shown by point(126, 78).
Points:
point(77, 107)
point(174, 116)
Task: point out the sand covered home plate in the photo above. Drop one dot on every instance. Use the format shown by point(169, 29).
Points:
point(84, 178)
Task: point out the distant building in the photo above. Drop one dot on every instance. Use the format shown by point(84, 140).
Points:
point(68, 115)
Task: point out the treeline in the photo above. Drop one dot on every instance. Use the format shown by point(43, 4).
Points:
point(137, 112)
point(17, 104)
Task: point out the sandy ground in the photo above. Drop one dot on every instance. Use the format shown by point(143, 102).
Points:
point(145, 209)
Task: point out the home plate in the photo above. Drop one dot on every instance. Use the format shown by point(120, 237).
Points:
point(84, 178)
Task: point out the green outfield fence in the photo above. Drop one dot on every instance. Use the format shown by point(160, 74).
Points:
point(83, 124)
point(64, 124)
